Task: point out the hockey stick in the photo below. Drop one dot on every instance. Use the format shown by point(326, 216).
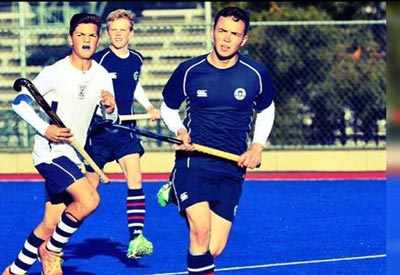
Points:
point(134, 117)
point(57, 121)
point(197, 147)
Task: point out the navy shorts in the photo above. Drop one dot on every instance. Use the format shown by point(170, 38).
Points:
point(58, 175)
point(110, 146)
point(194, 184)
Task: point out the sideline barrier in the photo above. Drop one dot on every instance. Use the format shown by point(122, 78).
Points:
point(273, 161)
point(252, 176)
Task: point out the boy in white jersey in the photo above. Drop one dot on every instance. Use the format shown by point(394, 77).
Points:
point(74, 86)
point(222, 90)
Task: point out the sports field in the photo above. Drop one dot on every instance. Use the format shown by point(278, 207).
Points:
point(298, 225)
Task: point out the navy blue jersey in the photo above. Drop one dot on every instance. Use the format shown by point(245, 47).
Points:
point(219, 102)
point(125, 74)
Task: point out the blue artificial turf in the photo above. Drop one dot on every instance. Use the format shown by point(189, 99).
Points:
point(281, 227)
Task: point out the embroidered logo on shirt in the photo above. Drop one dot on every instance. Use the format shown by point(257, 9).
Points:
point(235, 210)
point(82, 89)
point(201, 93)
point(184, 196)
point(113, 75)
point(239, 93)
point(136, 76)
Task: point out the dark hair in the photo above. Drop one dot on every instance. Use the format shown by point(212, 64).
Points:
point(237, 13)
point(84, 18)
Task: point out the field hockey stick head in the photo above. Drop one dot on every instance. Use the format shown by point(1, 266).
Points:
point(18, 84)
point(23, 82)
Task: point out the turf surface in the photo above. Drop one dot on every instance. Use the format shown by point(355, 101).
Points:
point(282, 227)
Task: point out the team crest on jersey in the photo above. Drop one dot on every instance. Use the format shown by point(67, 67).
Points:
point(82, 90)
point(239, 93)
point(136, 76)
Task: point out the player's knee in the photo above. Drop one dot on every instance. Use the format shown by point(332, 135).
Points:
point(201, 235)
point(95, 201)
point(90, 204)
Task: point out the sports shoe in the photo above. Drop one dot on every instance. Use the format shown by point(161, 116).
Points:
point(51, 261)
point(139, 247)
point(7, 271)
point(166, 195)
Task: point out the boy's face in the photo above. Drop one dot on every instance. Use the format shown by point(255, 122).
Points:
point(119, 32)
point(85, 40)
point(228, 36)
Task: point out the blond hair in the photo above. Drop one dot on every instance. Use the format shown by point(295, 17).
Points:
point(121, 13)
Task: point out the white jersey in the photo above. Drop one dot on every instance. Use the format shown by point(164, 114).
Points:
point(74, 95)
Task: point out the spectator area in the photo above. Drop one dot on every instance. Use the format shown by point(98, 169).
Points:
point(164, 37)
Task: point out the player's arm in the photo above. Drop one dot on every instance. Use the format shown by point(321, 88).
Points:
point(262, 129)
point(108, 109)
point(22, 105)
point(263, 125)
point(174, 123)
point(142, 98)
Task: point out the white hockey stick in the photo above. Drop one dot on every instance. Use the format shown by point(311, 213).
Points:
point(134, 117)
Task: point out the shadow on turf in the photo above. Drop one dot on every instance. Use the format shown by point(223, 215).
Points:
point(70, 270)
point(91, 248)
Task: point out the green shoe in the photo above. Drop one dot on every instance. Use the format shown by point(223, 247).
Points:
point(139, 247)
point(166, 194)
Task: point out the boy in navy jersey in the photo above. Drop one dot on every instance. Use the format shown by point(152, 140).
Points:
point(124, 65)
point(221, 90)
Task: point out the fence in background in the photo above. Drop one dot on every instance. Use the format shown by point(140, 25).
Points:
point(330, 77)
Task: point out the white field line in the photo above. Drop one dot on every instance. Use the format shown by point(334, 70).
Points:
point(284, 264)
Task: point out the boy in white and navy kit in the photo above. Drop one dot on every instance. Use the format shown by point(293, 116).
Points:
point(74, 86)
